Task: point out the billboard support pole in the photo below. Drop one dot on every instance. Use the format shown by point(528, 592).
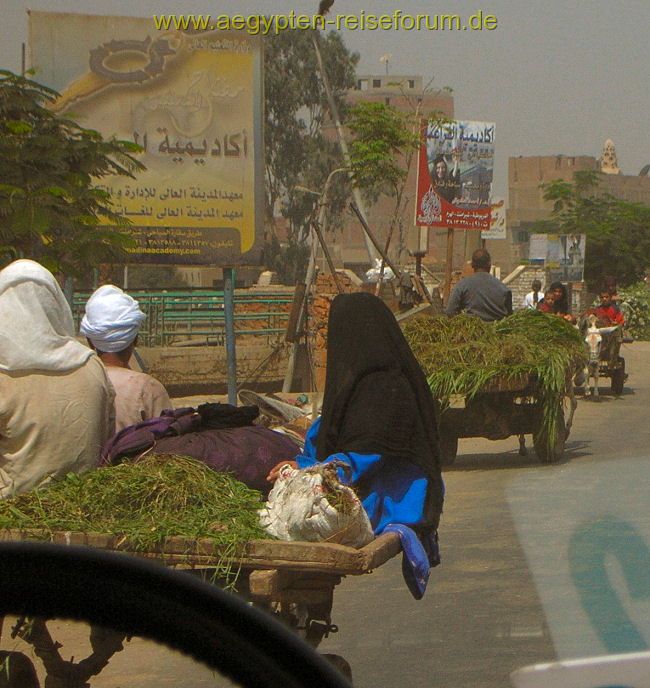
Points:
point(229, 313)
point(448, 264)
point(68, 290)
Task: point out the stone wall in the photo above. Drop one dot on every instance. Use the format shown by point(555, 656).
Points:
point(519, 282)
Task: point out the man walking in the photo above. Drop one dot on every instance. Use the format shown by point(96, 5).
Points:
point(481, 294)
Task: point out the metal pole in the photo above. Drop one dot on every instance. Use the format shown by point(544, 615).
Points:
point(125, 278)
point(356, 193)
point(229, 313)
point(374, 241)
point(328, 257)
point(448, 266)
point(68, 290)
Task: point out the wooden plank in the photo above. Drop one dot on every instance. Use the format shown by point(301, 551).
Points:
point(256, 554)
point(380, 550)
point(265, 583)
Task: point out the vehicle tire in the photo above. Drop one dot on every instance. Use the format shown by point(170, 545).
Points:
point(448, 449)
point(618, 377)
point(551, 452)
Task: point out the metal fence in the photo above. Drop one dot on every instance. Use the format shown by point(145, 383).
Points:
point(194, 317)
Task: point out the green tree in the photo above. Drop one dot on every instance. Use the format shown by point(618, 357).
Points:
point(50, 209)
point(618, 232)
point(298, 153)
point(384, 149)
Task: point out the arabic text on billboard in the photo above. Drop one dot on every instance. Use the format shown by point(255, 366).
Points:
point(497, 220)
point(192, 102)
point(455, 168)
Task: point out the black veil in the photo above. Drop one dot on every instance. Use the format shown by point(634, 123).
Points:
point(377, 399)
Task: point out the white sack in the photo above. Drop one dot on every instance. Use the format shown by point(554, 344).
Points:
point(298, 508)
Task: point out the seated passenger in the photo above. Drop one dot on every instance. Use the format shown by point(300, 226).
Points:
point(379, 418)
point(111, 325)
point(56, 403)
point(561, 302)
point(546, 304)
point(607, 312)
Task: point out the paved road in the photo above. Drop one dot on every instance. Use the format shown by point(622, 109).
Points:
point(539, 562)
point(514, 535)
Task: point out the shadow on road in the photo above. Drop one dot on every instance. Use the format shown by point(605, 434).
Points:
point(605, 395)
point(509, 460)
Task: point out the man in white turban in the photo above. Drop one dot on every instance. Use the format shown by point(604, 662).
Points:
point(111, 325)
point(56, 403)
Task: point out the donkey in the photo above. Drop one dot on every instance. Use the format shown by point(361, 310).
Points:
point(594, 340)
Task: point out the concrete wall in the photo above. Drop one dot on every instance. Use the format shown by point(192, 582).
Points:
point(186, 368)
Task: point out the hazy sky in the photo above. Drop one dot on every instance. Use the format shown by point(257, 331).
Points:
point(558, 76)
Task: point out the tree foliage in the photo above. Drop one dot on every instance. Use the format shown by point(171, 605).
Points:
point(50, 208)
point(298, 152)
point(384, 149)
point(618, 232)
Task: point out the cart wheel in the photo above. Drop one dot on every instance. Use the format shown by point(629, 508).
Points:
point(551, 452)
point(618, 377)
point(448, 449)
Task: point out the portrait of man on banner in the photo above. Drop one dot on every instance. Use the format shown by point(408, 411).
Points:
point(455, 169)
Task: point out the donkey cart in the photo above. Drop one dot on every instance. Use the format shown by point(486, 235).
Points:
point(505, 407)
point(603, 346)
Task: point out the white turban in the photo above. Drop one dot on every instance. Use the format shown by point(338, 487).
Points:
point(112, 319)
point(36, 326)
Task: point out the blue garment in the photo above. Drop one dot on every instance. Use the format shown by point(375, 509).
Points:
point(415, 562)
point(396, 492)
point(396, 489)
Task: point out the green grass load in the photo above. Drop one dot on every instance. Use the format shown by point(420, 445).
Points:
point(146, 501)
point(463, 354)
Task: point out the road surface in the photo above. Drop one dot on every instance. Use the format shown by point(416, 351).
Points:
point(505, 595)
point(539, 562)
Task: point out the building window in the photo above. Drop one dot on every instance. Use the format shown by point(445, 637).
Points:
point(362, 84)
point(522, 236)
point(411, 83)
point(376, 83)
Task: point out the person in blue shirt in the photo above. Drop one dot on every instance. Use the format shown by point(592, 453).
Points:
point(380, 418)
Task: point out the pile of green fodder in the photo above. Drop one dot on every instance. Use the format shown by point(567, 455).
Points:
point(146, 501)
point(461, 355)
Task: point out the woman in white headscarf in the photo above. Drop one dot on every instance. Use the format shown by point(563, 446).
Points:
point(56, 403)
point(111, 324)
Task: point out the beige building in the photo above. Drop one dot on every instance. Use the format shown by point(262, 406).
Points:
point(526, 204)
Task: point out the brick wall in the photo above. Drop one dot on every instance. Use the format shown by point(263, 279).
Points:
point(323, 293)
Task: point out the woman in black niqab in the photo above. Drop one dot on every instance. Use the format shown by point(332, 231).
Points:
point(380, 418)
point(377, 399)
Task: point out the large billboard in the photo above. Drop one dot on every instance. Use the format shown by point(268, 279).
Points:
point(498, 228)
point(193, 102)
point(455, 168)
point(563, 255)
